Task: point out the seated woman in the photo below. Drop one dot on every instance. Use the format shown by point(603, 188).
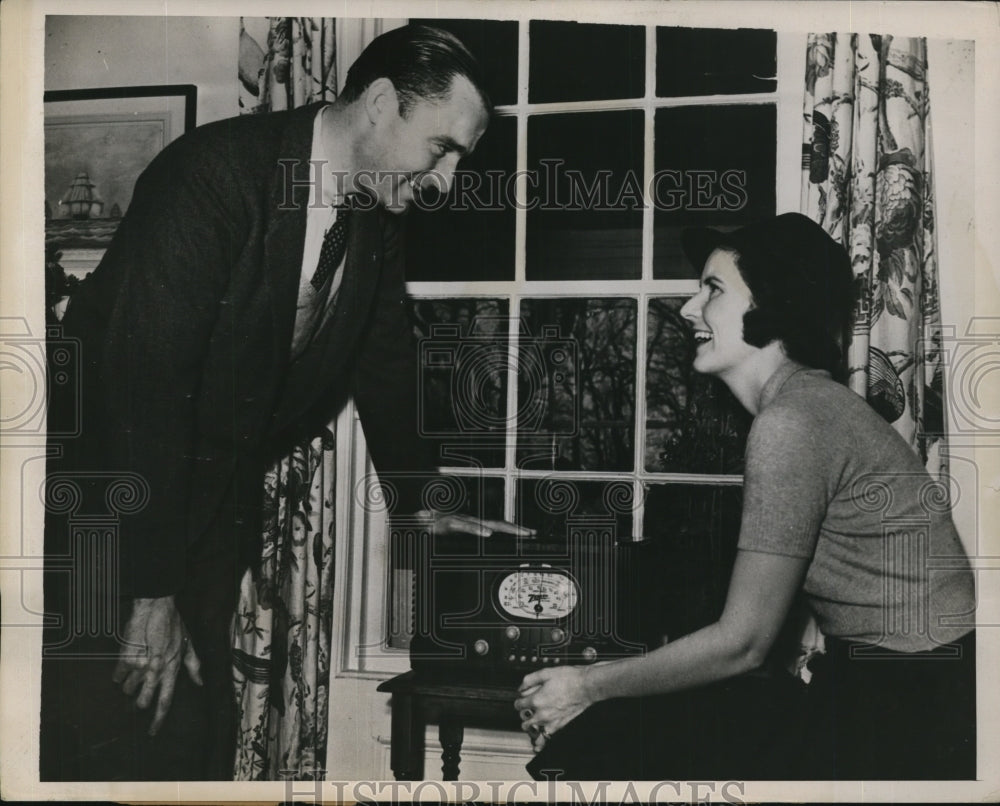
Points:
point(838, 509)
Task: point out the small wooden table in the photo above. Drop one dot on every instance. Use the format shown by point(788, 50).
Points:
point(419, 698)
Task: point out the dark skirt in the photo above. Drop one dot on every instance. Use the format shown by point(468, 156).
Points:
point(867, 714)
point(741, 728)
point(875, 714)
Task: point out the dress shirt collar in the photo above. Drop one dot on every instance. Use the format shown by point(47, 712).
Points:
point(331, 196)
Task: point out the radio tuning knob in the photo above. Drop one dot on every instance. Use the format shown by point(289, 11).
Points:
point(513, 633)
point(589, 654)
point(558, 635)
point(481, 647)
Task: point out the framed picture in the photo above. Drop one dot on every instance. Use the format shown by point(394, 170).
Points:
point(97, 142)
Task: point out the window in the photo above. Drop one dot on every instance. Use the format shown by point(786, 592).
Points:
point(547, 293)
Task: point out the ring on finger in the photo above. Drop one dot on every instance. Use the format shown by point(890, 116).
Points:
point(526, 714)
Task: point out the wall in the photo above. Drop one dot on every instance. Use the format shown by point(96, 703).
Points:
point(965, 133)
point(94, 51)
point(88, 51)
point(951, 66)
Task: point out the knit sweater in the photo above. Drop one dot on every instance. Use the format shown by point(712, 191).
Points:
point(828, 479)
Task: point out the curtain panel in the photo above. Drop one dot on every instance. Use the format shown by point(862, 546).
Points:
point(867, 179)
point(282, 627)
point(286, 62)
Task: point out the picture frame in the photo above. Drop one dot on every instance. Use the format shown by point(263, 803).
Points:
point(97, 143)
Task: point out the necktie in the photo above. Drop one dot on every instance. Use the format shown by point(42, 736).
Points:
point(334, 246)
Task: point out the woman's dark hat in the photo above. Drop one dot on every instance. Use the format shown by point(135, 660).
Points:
point(792, 244)
point(800, 278)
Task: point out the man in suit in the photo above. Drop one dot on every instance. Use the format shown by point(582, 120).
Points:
point(227, 320)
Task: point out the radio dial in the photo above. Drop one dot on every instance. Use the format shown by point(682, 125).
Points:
point(558, 635)
point(513, 633)
point(589, 654)
point(481, 647)
point(536, 594)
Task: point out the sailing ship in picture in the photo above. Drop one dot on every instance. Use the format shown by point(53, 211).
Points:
point(91, 165)
point(97, 143)
point(81, 200)
point(80, 223)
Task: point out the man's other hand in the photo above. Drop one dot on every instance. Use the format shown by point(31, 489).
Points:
point(445, 524)
point(156, 643)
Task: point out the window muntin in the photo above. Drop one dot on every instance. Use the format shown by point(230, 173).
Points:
point(683, 432)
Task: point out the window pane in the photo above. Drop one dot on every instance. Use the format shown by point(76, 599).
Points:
point(712, 61)
point(572, 61)
point(494, 44)
point(714, 167)
point(469, 235)
point(548, 505)
point(463, 378)
point(693, 423)
point(576, 384)
point(584, 219)
point(697, 528)
point(479, 496)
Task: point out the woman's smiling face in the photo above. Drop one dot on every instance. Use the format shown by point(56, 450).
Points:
point(716, 314)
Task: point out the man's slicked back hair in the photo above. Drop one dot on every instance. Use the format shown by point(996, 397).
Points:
point(420, 61)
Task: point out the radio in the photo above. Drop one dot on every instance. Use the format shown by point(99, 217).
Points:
point(509, 604)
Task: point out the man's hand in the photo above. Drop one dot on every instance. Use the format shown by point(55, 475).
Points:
point(443, 524)
point(156, 641)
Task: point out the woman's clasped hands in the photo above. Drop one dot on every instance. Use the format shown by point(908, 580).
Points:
point(549, 699)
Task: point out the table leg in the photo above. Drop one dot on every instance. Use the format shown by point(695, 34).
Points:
point(407, 748)
point(451, 733)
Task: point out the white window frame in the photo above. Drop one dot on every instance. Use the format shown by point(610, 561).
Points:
point(362, 588)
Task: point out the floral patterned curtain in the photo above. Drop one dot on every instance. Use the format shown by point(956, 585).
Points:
point(867, 179)
point(296, 65)
point(281, 631)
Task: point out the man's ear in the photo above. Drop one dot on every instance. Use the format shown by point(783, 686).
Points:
point(381, 100)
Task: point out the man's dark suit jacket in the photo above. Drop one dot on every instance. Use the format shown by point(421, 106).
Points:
point(186, 328)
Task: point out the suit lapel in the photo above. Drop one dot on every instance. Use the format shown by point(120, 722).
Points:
point(326, 360)
point(285, 237)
